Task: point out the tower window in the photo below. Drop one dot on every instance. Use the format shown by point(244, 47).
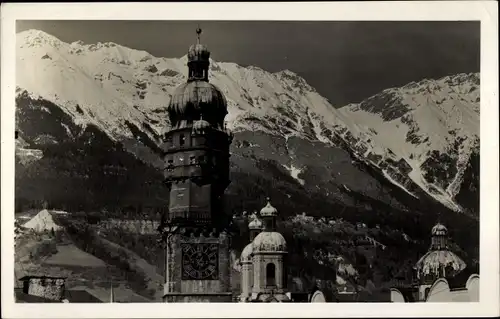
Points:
point(170, 165)
point(192, 159)
point(270, 275)
point(182, 140)
point(169, 141)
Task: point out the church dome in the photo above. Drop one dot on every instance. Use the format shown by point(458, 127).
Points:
point(269, 242)
point(435, 261)
point(197, 98)
point(268, 210)
point(246, 254)
point(439, 230)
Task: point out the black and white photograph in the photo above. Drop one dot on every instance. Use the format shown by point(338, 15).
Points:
point(246, 161)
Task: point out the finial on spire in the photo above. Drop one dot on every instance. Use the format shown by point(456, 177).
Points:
point(198, 32)
point(268, 200)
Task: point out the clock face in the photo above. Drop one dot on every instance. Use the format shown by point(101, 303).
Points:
point(200, 261)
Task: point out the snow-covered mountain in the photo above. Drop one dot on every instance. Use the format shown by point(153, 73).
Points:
point(430, 127)
point(422, 137)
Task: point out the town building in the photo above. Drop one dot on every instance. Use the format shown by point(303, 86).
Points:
point(46, 289)
point(263, 260)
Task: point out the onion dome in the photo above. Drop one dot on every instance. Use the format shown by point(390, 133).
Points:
point(255, 222)
point(269, 242)
point(246, 254)
point(200, 126)
point(268, 210)
point(197, 97)
point(198, 52)
point(439, 263)
point(439, 230)
point(194, 99)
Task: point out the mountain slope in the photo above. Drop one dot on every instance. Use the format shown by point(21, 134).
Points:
point(432, 125)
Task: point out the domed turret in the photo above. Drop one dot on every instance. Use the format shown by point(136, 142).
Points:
point(198, 60)
point(439, 261)
point(268, 214)
point(197, 98)
point(255, 222)
point(269, 242)
point(269, 259)
point(439, 237)
point(255, 225)
point(198, 52)
point(268, 210)
point(439, 230)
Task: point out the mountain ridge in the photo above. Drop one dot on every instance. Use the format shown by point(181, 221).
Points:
point(136, 88)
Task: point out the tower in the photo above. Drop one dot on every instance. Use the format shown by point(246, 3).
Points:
point(196, 154)
point(268, 260)
point(255, 227)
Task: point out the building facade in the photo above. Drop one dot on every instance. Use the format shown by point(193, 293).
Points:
point(196, 155)
point(263, 260)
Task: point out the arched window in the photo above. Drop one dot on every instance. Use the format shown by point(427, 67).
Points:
point(270, 275)
point(192, 159)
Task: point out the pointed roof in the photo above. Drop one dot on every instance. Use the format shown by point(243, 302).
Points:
point(268, 210)
point(255, 221)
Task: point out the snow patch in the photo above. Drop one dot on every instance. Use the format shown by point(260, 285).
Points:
point(43, 221)
point(294, 172)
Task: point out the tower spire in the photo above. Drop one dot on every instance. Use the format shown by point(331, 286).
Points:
point(198, 34)
point(198, 60)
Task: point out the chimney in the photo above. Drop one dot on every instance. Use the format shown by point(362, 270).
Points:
point(52, 288)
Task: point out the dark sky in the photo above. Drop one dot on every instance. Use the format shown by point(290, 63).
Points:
point(346, 61)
